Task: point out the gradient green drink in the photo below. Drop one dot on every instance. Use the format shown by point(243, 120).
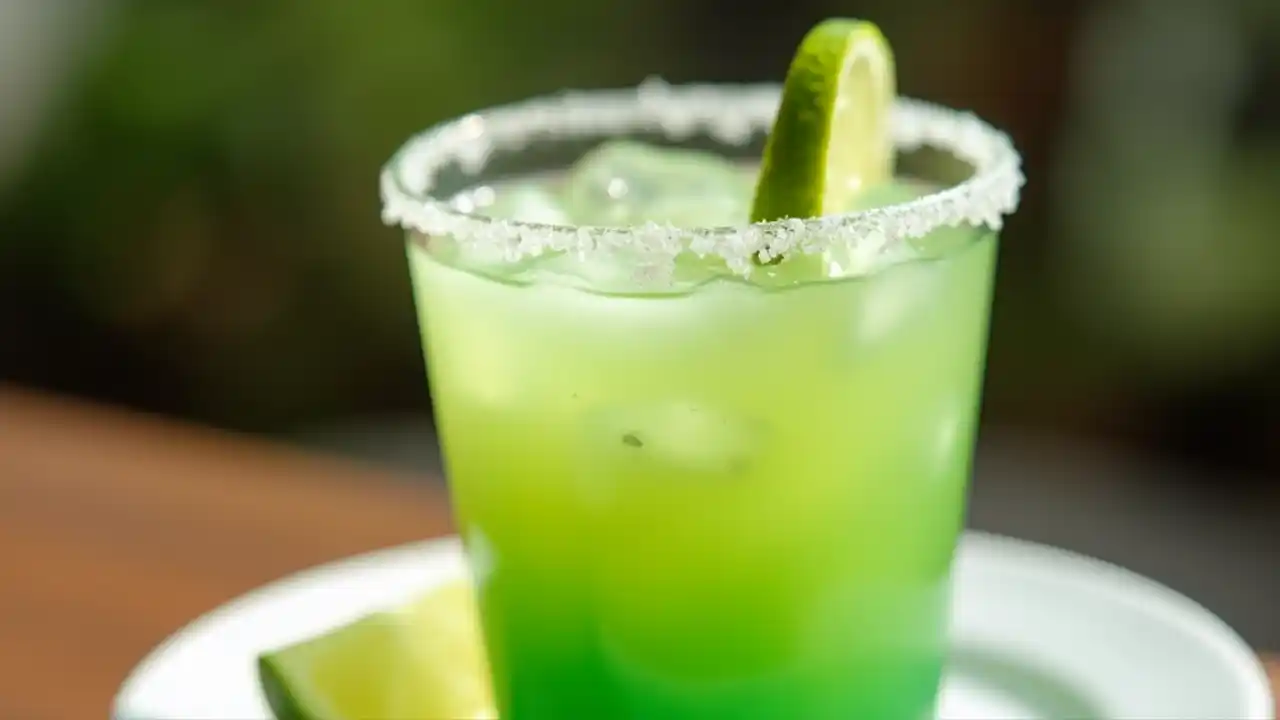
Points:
point(694, 482)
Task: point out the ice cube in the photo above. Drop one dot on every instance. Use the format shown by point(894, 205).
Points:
point(525, 203)
point(627, 184)
point(708, 208)
point(886, 194)
point(677, 439)
point(936, 244)
point(599, 272)
point(481, 557)
point(943, 241)
point(894, 300)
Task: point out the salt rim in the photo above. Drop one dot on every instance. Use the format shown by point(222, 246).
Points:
point(730, 114)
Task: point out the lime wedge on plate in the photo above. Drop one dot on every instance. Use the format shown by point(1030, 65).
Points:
point(422, 661)
point(831, 138)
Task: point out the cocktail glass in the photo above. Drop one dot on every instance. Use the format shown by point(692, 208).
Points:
point(689, 484)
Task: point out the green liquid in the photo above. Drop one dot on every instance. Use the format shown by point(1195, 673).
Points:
point(738, 502)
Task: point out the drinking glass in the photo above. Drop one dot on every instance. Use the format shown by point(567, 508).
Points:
point(691, 485)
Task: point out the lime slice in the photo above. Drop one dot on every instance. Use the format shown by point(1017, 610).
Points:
point(424, 660)
point(831, 136)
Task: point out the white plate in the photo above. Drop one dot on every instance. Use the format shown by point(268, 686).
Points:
point(1038, 633)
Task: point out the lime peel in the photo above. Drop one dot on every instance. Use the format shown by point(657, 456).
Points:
point(831, 138)
point(422, 660)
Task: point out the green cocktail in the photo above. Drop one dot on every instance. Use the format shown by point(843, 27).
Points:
point(694, 481)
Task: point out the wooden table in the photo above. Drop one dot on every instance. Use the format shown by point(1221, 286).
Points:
point(116, 529)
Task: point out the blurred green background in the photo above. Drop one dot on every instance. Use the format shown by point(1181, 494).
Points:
point(189, 217)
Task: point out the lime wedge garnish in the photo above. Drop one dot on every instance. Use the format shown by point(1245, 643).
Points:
point(424, 660)
point(831, 136)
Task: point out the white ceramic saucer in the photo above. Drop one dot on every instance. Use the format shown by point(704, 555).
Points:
point(1038, 633)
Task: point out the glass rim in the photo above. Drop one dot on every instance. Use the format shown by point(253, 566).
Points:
point(727, 113)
